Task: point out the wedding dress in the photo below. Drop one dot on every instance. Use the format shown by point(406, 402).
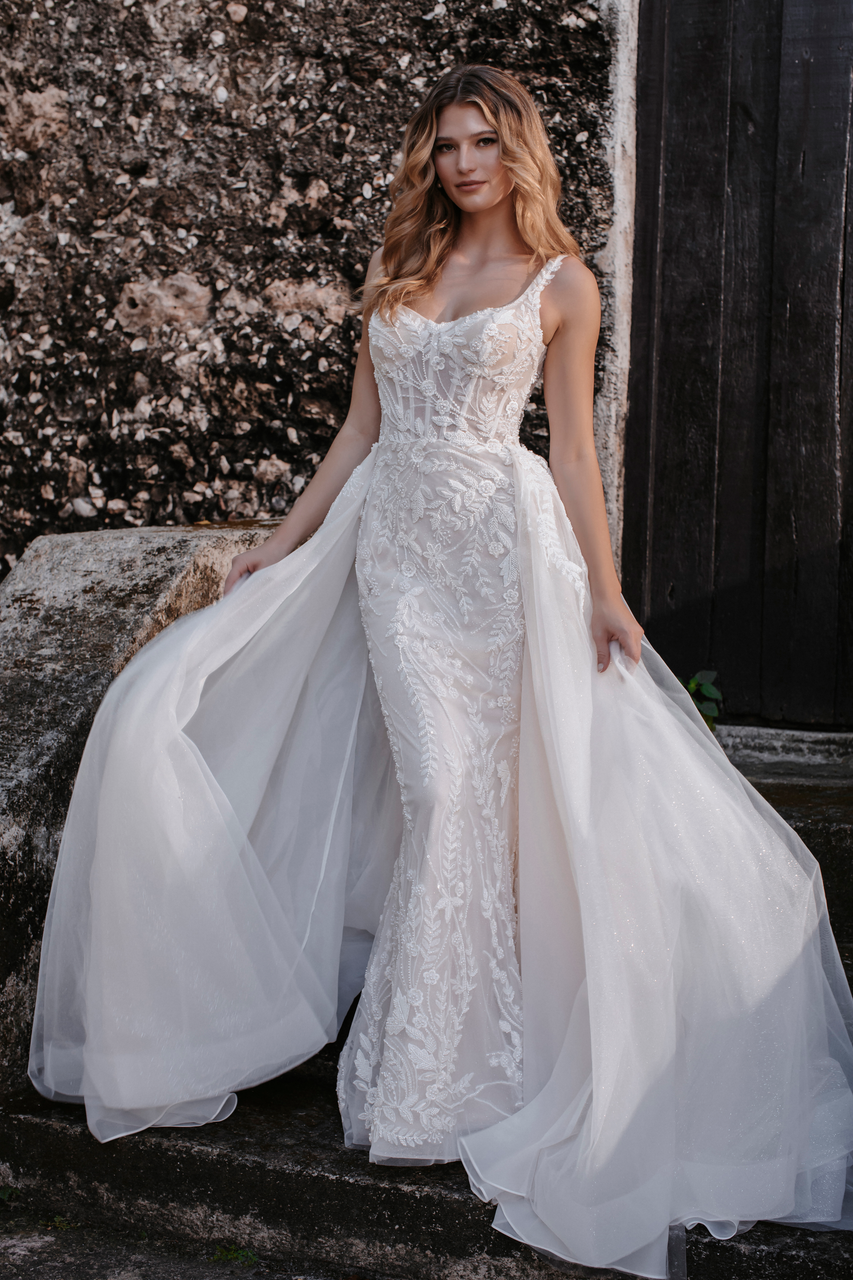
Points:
point(595, 965)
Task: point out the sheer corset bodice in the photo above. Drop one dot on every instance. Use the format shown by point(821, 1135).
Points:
point(465, 381)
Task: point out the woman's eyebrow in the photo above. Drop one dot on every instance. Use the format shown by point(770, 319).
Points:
point(483, 133)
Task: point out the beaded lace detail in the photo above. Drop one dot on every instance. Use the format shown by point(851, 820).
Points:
point(436, 1045)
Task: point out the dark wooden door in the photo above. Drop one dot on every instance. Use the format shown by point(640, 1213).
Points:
point(738, 542)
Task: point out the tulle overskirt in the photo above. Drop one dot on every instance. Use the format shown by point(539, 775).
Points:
point(232, 837)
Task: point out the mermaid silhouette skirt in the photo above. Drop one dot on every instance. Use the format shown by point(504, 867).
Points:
point(436, 1047)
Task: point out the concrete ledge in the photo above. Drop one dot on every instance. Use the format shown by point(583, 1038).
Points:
point(803, 752)
point(74, 611)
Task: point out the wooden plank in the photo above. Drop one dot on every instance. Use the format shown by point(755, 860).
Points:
point(641, 425)
point(684, 469)
point(736, 635)
point(803, 490)
point(844, 679)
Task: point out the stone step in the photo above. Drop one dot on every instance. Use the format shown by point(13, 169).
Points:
point(276, 1179)
point(35, 1246)
point(764, 751)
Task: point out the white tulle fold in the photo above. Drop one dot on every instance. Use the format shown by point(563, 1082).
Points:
point(693, 1063)
point(230, 843)
point(228, 847)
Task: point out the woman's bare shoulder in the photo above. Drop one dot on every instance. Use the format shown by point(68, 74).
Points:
point(570, 298)
point(374, 266)
point(573, 286)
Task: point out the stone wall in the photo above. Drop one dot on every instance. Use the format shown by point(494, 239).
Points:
point(189, 195)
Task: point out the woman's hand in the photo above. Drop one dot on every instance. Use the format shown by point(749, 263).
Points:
point(251, 561)
point(613, 620)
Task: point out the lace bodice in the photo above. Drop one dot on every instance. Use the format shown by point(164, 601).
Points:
point(467, 379)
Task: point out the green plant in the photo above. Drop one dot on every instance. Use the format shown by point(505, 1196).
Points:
point(9, 1194)
point(231, 1253)
point(59, 1224)
point(706, 695)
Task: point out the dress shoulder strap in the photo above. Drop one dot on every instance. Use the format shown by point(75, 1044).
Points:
point(531, 297)
point(546, 275)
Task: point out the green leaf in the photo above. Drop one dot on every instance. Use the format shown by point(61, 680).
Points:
point(705, 677)
point(710, 691)
point(708, 708)
point(232, 1253)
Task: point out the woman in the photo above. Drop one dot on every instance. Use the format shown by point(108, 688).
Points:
point(504, 763)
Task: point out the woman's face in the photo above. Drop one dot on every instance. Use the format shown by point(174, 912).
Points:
point(467, 159)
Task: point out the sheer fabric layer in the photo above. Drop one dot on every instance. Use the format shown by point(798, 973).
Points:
point(694, 1062)
point(228, 847)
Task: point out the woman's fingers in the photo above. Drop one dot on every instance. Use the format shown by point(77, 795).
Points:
point(629, 638)
point(240, 566)
point(231, 581)
point(602, 633)
point(251, 561)
point(630, 642)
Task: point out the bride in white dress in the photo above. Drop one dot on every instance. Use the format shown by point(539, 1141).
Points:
point(424, 753)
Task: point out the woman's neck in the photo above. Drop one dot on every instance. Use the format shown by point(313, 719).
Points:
point(489, 235)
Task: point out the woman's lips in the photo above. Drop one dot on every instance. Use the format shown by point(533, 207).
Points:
point(469, 186)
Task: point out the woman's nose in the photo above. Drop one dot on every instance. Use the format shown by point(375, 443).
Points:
point(467, 159)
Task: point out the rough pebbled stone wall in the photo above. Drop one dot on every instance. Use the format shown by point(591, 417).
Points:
point(189, 195)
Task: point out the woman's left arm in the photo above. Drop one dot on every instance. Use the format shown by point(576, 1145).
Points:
point(571, 315)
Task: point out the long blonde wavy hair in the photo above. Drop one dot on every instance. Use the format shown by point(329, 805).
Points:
point(422, 225)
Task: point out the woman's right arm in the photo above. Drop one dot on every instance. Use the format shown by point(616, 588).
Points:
point(350, 446)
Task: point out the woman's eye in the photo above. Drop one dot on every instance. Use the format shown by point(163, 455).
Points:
point(444, 147)
point(488, 142)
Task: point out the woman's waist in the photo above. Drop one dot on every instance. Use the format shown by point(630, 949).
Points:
point(493, 449)
point(450, 478)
